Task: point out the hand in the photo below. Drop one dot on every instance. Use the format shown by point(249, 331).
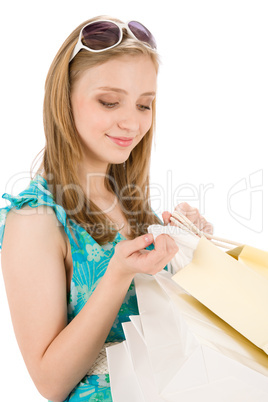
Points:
point(192, 214)
point(131, 257)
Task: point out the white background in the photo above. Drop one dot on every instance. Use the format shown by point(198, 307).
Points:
point(210, 144)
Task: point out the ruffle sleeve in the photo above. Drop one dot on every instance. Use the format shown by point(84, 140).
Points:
point(35, 195)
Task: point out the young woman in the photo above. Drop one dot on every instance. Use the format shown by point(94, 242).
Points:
point(73, 241)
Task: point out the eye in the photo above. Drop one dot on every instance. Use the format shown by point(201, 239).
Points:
point(143, 107)
point(108, 105)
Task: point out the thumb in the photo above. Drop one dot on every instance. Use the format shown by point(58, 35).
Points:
point(140, 243)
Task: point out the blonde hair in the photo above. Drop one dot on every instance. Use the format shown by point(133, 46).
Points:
point(63, 148)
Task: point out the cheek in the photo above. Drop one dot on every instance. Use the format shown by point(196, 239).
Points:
point(146, 123)
point(79, 113)
point(89, 117)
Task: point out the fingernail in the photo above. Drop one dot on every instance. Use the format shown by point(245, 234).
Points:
point(149, 238)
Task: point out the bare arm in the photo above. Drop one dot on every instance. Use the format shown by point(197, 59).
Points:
point(58, 355)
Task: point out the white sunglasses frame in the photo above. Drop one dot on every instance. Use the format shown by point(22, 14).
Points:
point(79, 45)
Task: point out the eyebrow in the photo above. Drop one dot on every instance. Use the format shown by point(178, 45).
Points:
point(150, 93)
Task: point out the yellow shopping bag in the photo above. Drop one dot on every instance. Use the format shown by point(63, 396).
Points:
point(233, 285)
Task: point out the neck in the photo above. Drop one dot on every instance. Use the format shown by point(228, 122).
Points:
point(92, 179)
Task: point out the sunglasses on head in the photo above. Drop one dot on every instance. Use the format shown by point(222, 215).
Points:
point(102, 35)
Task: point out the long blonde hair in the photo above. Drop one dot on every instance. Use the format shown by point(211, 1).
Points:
point(63, 148)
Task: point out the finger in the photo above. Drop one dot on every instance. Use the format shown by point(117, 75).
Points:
point(208, 228)
point(164, 243)
point(153, 261)
point(190, 212)
point(203, 225)
point(184, 207)
point(194, 216)
point(166, 217)
point(200, 223)
point(129, 247)
point(164, 249)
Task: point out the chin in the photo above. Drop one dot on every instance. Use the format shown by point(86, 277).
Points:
point(117, 160)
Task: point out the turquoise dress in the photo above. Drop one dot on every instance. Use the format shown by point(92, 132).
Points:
point(90, 261)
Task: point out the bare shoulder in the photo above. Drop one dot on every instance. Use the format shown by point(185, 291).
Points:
point(33, 227)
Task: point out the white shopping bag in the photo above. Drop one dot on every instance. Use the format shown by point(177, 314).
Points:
point(186, 242)
point(177, 350)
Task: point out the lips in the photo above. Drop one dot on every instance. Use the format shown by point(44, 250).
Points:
point(121, 141)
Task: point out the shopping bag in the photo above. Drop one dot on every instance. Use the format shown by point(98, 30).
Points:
point(233, 285)
point(178, 350)
point(185, 241)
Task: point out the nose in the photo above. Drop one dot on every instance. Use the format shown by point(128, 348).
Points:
point(129, 121)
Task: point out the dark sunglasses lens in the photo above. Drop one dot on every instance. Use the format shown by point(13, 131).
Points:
point(100, 35)
point(142, 33)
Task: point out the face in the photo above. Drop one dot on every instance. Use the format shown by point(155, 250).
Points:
point(112, 108)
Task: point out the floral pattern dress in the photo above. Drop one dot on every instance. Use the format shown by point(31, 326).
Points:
point(90, 261)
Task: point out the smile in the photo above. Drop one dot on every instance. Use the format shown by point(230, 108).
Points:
point(121, 141)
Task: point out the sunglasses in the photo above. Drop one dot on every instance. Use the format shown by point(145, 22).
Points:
point(102, 35)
